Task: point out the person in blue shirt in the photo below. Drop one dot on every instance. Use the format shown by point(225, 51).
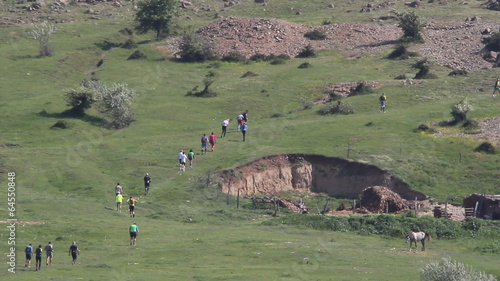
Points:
point(29, 252)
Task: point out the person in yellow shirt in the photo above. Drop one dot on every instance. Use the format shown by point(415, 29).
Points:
point(119, 200)
point(131, 206)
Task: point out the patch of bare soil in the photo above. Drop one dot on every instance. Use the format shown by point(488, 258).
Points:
point(456, 44)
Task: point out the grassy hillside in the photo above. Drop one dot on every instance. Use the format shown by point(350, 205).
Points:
point(65, 178)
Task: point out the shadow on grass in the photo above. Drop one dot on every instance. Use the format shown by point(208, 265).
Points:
point(94, 120)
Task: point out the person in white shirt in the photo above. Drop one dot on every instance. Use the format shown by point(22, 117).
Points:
point(225, 123)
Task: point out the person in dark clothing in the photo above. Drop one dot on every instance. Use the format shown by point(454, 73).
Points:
point(38, 257)
point(147, 181)
point(73, 252)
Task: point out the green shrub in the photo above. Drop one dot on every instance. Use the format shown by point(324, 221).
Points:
point(486, 147)
point(258, 57)
point(305, 65)
point(471, 124)
point(60, 124)
point(460, 111)
point(194, 48)
point(336, 108)
point(362, 89)
point(401, 52)
point(206, 92)
point(424, 70)
point(137, 55)
point(129, 44)
point(116, 102)
point(448, 270)
point(315, 35)
point(425, 128)
point(307, 52)
point(234, 57)
point(458, 72)
point(249, 74)
point(401, 77)
point(492, 43)
point(411, 25)
point(82, 97)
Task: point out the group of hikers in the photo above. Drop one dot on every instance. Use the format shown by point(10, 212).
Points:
point(212, 140)
point(74, 251)
point(132, 202)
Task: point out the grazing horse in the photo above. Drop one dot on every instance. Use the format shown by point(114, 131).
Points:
point(413, 237)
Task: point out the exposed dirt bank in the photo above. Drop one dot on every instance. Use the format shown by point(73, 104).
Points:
point(337, 177)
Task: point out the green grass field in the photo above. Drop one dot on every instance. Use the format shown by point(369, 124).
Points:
point(65, 178)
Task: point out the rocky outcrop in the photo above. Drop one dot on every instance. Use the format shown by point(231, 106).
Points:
point(311, 173)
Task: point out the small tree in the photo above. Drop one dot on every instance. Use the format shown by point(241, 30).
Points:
point(43, 33)
point(460, 111)
point(411, 25)
point(156, 15)
point(82, 97)
point(424, 68)
point(116, 102)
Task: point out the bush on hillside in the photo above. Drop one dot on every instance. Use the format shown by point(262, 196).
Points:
point(486, 147)
point(116, 103)
point(448, 270)
point(411, 25)
point(129, 44)
point(315, 35)
point(362, 89)
point(460, 111)
point(492, 43)
point(471, 124)
point(458, 72)
point(194, 48)
point(336, 107)
point(206, 92)
point(424, 68)
point(249, 74)
point(426, 129)
point(82, 97)
point(43, 34)
point(258, 57)
point(305, 65)
point(402, 52)
point(137, 55)
point(234, 57)
point(401, 77)
point(307, 52)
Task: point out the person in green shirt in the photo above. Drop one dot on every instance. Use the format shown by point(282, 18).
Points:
point(134, 231)
point(190, 158)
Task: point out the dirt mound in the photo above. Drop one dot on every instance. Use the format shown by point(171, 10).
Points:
point(250, 36)
point(457, 45)
point(380, 199)
point(337, 177)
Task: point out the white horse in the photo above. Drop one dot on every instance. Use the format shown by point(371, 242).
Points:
point(413, 237)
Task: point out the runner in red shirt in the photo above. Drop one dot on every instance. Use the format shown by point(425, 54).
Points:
point(212, 139)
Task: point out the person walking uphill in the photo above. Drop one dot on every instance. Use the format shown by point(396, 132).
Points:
point(73, 252)
point(133, 231)
point(383, 101)
point(213, 140)
point(38, 257)
point(131, 206)
point(244, 128)
point(224, 124)
point(49, 252)
point(204, 141)
point(496, 87)
point(28, 251)
point(190, 156)
point(147, 182)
